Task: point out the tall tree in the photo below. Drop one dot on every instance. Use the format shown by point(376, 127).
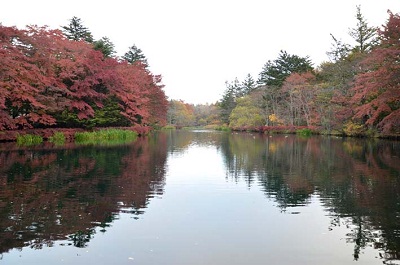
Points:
point(338, 75)
point(275, 72)
point(376, 97)
point(227, 103)
point(364, 35)
point(134, 54)
point(157, 102)
point(272, 78)
point(237, 88)
point(25, 72)
point(76, 31)
point(105, 46)
point(248, 84)
point(300, 98)
point(339, 50)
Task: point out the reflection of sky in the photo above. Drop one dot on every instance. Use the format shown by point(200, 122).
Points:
point(204, 218)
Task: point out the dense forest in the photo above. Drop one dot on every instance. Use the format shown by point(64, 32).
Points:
point(355, 93)
point(63, 78)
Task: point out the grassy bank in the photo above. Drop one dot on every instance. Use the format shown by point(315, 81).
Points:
point(62, 136)
point(106, 136)
point(65, 134)
point(29, 139)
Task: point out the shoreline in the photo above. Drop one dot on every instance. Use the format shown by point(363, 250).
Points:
point(69, 133)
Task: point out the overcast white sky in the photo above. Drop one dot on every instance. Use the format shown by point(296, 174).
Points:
point(198, 45)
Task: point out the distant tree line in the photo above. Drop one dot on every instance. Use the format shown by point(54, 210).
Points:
point(357, 92)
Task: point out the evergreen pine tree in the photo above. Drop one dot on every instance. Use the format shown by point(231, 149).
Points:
point(249, 84)
point(76, 31)
point(275, 72)
point(364, 35)
point(135, 55)
point(228, 103)
point(105, 46)
point(339, 50)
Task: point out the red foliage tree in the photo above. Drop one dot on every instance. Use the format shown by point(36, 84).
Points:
point(301, 91)
point(45, 78)
point(377, 91)
point(82, 72)
point(23, 75)
point(157, 103)
point(43, 73)
point(128, 85)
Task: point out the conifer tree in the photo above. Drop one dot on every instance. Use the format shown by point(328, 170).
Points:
point(76, 31)
point(105, 46)
point(228, 103)
point(248, 84)
point(339, 50)
point(134, 54)
point(275, 72)
point(364, 35)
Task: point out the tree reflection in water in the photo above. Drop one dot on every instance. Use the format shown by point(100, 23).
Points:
point(358, 181)
point(50, 194)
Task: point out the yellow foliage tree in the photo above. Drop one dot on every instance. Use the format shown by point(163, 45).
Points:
point(274, 119)
point(245, 115)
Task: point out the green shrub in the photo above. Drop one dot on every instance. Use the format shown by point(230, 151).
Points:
point(29, 139)
point(353, 129)
point(58, 138)
point(168, 127)
point(304, 132)
point(223, 128)
point(108, 136)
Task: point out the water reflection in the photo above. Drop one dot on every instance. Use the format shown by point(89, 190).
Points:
point(52, 194)
point(357, 180)
point(181, 140)
point(49, 194)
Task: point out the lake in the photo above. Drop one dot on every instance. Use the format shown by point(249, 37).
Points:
point(202, 197)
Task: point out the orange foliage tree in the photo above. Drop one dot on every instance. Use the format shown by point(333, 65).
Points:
point(301, 92)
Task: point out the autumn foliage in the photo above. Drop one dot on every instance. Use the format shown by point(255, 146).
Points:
point(377, 90)
point(356, 93)
point(47, 80)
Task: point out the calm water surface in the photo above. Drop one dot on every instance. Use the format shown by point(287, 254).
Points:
point(202, 198)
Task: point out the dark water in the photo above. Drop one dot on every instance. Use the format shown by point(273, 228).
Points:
point(202, 198)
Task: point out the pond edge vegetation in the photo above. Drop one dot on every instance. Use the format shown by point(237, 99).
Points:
point(105, 136)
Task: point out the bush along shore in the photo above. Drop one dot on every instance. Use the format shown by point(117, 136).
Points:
point(111, 135)
point(82, 136)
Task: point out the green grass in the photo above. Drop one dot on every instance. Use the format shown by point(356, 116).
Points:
point(304, 132)
point(107, 136)
point(58, 138)
point(188, 128)
point(168, 127)
point(223, 128)
point(29, 139)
